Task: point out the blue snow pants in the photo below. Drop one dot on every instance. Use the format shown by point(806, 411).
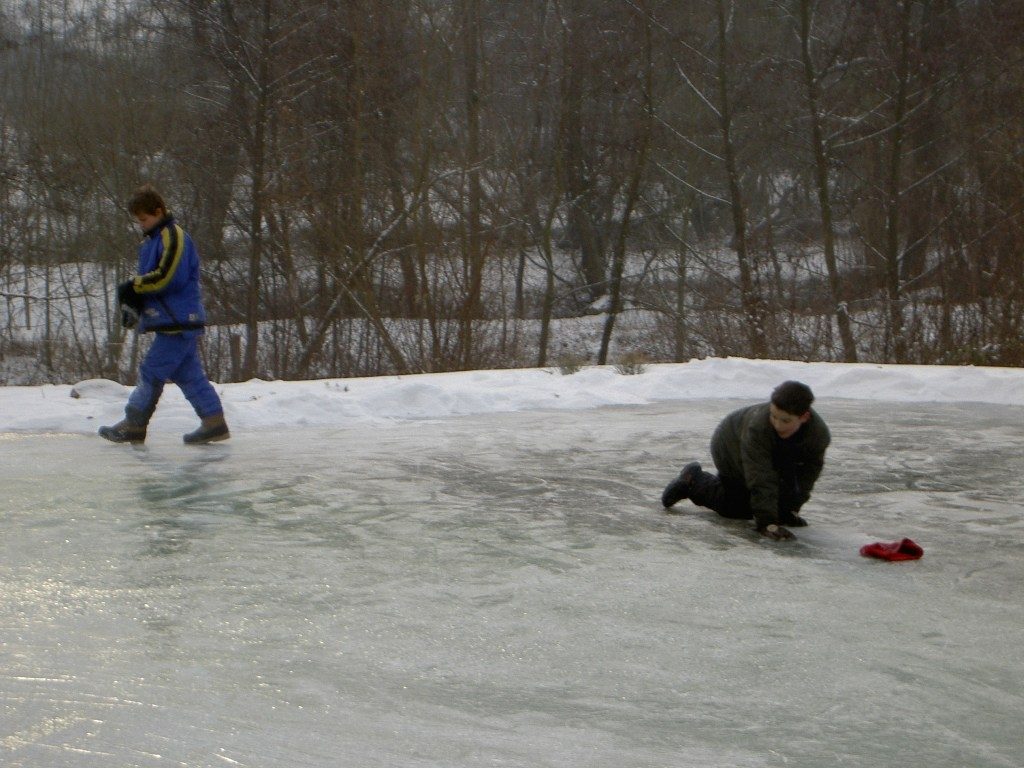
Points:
point(172, 357)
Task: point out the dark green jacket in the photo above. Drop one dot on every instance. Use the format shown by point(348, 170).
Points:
point(748, 451)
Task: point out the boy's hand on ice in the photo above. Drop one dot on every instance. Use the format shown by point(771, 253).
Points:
point(776, 532)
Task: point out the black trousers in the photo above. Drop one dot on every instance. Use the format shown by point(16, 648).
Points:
point(731, 499)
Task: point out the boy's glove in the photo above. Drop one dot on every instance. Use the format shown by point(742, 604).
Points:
point(129, 317)
point(130, 304)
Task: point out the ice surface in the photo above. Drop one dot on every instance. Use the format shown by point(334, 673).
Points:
point(505, 590)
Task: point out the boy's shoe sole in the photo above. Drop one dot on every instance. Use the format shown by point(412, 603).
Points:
point(215, 436)
point(116, 434)
point(679, 488)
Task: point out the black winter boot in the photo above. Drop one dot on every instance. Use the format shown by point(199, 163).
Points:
point(679, 488)
point(211, 430)
point(124, 432)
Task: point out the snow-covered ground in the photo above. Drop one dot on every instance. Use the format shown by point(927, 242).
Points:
point(258, 405)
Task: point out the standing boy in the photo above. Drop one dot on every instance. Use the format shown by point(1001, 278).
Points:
point(164, 298)
point(768, 458)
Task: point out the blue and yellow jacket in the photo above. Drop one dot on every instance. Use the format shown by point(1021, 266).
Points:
point(168, 280)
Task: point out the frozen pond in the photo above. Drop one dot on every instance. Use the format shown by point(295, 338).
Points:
point(505, 590)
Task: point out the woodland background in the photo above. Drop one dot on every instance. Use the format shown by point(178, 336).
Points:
point(392, 186)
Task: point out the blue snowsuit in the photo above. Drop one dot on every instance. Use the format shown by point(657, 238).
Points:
point(167, 291)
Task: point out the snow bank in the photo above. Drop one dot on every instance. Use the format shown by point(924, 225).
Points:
point(255, 405)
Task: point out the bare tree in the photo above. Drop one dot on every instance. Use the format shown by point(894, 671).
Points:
point(642, 115)
point(821, 147)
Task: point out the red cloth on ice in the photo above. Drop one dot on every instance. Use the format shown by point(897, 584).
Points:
point(905, 549)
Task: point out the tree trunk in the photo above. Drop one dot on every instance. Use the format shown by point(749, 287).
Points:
point(583, 230)
point(753, 306)
point(632, 196)
point(893, 182)
point(472, 310)
point(821, 178)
